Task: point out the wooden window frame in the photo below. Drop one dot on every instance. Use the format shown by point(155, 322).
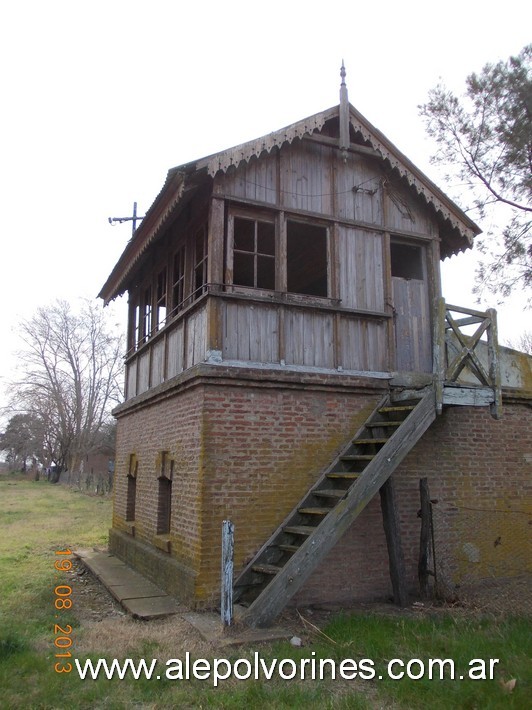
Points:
point(255, 217)
point(280, 220)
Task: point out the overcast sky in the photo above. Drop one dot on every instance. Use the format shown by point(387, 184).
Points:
point(99, 99)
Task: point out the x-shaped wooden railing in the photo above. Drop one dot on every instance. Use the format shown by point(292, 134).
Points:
point(456, 351)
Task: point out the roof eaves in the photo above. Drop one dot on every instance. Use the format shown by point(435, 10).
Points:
point(245, 151)
point(156, 217)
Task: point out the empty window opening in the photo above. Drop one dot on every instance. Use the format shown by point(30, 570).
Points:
point(164, 496)
point(164, 506)
point(160, 314)
point(200, 263)
point(407, 261)
point(131, 497)
point(178, 280)
point(254, 253)
point(131, 494)
point(306, 246)
point(146, 314)
point(136, 326)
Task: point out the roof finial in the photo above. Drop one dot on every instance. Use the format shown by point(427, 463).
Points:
point(344, 113)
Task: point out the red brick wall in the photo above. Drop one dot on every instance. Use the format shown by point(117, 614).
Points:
point(264, 447)
point(246, 450)
point(247, 447)
point(479, 471)
point(173, 425)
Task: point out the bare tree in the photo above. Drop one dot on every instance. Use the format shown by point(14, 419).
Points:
point(70, 377)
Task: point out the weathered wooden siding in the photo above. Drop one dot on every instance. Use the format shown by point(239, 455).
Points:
point(359, 191)
point(131, 379)
point(361, 274)
point(179, 347)
point(261, 333)
point(306, 177)
point(250, 332)
point(413, 340)
point(403, 214)
point(157, 362)
point(309, 338)
point(362, 344)
point(143, 374)
point(196, 337)
point(256, 180)
point(175, 350)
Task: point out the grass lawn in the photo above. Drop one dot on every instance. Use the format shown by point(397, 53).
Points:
point(38, 519)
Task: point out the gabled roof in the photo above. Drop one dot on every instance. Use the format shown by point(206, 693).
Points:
point(183, 181)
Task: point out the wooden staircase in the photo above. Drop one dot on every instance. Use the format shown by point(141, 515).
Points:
point(292, 553)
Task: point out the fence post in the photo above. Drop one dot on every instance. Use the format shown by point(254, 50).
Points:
point(228, 530)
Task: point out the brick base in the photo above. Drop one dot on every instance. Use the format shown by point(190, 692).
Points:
point(247, 446)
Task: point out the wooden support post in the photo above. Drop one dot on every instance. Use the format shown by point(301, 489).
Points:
point(228, 531)
point(392, 531)
point(425, 541)
point(494, 365)
point(439, 364)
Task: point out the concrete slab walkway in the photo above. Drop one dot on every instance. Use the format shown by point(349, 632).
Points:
point(144, 600)
point(141, 598)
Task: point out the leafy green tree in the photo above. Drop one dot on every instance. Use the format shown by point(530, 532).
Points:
point(22, 440)
point(484, 141)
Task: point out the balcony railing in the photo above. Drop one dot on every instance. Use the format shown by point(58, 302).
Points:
point(466, 357)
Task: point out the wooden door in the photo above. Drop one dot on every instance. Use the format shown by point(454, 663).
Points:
point(412, 318)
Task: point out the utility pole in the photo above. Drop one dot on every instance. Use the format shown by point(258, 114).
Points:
point(134, 219)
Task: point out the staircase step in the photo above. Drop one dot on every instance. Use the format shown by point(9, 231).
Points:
point(311, 542)
point(329, 493)
point(384, 424)
point(299, 529)
point(314, 511)
point(266, 569)
point(357, 457)
point(288, 548)
point(343, 474)
point(398, 408)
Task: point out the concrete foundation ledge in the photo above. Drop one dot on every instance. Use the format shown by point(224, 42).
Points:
point(174, 578)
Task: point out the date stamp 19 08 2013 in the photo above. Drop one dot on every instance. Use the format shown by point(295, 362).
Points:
point(62, 602)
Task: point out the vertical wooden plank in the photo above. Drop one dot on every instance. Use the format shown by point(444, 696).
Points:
point(282, 335)
point(337, 343)
point(228, 544)
point(439, 365)
point(388, 301)
point(494, 364)
point(390, 519)
point(282, 278)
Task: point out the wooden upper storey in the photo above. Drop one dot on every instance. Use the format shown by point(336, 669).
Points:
point(307, 242)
